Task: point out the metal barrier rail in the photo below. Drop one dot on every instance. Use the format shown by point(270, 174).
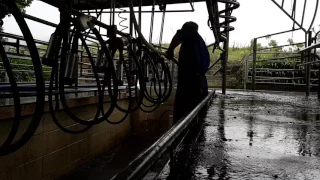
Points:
point(85, 74)
point(165, 142)
point(265, 75)
point(315, 46)
point(14, 52)
point(63, 47)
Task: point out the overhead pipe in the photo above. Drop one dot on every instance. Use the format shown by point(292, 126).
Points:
point(136, 26)
point(295, 21)
point(314, 15)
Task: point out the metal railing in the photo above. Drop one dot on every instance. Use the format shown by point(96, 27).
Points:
point(166, 143)
point(20, 61)
point(295, 68)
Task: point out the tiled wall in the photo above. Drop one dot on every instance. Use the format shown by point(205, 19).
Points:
point(144, 123)
point(52, 153)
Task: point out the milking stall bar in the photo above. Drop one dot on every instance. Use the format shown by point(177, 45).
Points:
point(93, 85)
point(297, 70)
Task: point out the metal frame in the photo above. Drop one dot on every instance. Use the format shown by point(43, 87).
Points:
point(305, 54)
point(293, 15)
point(305, 57)
point(66, 13)
point(167, 142)
point(221, 35)
point(89, 7)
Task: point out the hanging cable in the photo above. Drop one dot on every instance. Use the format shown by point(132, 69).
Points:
point(156, 81)
point(40, 88)
point(118, 45)
point(16, 99)
point(69, 59)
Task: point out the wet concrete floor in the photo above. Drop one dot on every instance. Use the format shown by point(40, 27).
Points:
point(261, 135)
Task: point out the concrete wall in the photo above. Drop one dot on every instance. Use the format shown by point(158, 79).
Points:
point(52, 153)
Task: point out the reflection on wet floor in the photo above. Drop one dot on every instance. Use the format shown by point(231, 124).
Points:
point(246, 135)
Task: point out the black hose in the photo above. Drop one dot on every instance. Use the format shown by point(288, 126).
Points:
point(162, 97)
point(118, 47)
point(16, 98)
point(139, 75)
point(40, 86)
point(147, 95)
point(66, 108)
point(112, 73)
point(64, 27)
point(100, 101)
point(113, 96)
point(155, 107)
point(162, 114)
point(139, 72)
point(52, 110)
point(55, 78)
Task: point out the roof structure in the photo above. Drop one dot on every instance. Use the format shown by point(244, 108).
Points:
point(106, 4)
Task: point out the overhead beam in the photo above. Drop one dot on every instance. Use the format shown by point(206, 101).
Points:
point(286, 13)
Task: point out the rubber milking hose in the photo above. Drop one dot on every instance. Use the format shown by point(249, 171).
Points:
point(147, 95)
point(16, 98)
point(113, 52)
point(52, 110)
point(97, 119)
point(157, 77)
point(129, 110)
point(157, 102)
point(139, 31)
point(65, 47)
point(113, 73)
point(142, 82)
point(40, 86)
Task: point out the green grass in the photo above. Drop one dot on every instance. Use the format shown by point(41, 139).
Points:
point(235, 54)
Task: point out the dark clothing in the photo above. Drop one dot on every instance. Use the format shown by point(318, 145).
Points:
point(192, 83)
point(193, 56)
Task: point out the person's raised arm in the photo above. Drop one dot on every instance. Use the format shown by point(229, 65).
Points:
point(176, 40)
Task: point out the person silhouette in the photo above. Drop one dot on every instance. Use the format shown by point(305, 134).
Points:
point(194, 60)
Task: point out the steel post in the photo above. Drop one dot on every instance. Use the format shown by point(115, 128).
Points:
point(225, 53)
point(223, 70)
point(245, 75)
point(140, 15)
point(131, 45)
point(254, 60)
point(309, 41)
point(6, 77)
point(319, 82)
point(307, 77)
